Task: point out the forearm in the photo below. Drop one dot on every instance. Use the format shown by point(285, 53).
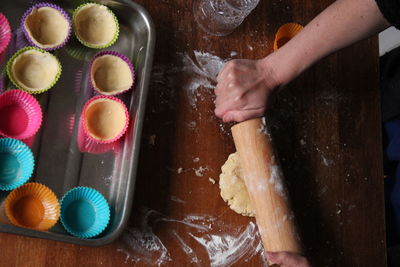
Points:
point(341, 24)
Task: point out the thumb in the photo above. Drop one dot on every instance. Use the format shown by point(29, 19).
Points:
point(242, 115)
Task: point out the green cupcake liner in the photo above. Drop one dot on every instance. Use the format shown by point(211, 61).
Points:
point(20, 86)
point(116, 35)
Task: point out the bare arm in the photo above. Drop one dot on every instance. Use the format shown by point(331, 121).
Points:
point(245, 85)
point(341, 24)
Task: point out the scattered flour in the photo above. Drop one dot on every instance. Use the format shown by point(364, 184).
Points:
point(224, 250)
point(200, 171)
point(211, 180)
point(276, 179)
point(327, 162)
point(223, 243)
point(194, 70)
point(201, 71)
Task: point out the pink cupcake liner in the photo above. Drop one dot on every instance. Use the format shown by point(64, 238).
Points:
point(88, 145)
point(21, 115)
point(37, 6)
point(5, 33)
point(117, 54)
point(86, 130)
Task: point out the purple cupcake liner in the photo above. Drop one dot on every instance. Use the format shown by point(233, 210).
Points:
point(37, 6)
point(117, 54)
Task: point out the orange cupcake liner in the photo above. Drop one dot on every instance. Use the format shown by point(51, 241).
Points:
point(33, 206)
point(285, 33)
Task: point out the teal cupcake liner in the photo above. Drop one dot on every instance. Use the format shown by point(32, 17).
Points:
point(16, 163)
point(116, 35)
point(22, 87)
point(85, 213)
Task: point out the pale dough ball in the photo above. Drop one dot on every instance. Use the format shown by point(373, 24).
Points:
point(233, 188)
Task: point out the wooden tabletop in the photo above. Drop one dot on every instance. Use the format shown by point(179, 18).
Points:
point(327, 130)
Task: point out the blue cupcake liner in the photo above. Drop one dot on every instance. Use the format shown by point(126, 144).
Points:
point(85, 213)
point(37, 6)
point(16, 163)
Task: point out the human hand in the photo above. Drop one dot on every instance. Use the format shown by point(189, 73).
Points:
point(243, 89)
point(287, 259)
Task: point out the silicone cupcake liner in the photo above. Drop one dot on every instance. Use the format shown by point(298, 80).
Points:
point(76, 50)
point(33, 206)
point(16, 163)
point(19, 52)
point(21, 115)
point(85, 213)
point(5, 33)
point(112, 53)
point(19, 40)
point(83, 118)
point(285, 33)
point(88, 44)
point(88, 145)
point(40, 5)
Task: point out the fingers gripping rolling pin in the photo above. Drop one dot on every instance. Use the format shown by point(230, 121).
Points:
point(264, 181)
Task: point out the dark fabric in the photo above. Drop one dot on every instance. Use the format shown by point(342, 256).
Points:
point(391, 11)
point(390, 84)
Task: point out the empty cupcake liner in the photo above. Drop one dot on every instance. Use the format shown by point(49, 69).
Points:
point(20, 86)
point(112, 53)
point(285, 33)
point(84, 119)
point(16, 163)
point(5, 33)
point(33, 206)
point(21, 115)
point(85, 213)
point(40, 5)
point(86, 43)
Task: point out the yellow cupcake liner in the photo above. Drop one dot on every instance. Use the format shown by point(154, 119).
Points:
point(285, 33)
point(32, 206)
point(14, 81)
point(116, 35)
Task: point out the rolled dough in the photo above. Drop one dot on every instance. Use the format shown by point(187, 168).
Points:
point(233, 188)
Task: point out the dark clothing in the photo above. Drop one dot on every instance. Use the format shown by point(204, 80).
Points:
point(391, 11)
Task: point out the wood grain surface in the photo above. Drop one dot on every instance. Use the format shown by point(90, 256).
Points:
point(327, 130)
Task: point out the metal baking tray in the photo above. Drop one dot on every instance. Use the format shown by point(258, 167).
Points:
point(60, 162)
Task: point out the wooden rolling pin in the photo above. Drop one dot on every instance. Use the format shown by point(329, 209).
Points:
point(265, 184)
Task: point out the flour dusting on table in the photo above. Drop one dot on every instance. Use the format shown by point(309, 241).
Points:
point(223, 243)
point(224, 250)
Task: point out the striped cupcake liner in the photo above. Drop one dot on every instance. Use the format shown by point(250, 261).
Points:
point(12, 103)
point(84, 119)
point(28, 36)
point(21, 86)
point(32, 206)
point(85, 212)
point(5, 33)
point(116, 35)
point(16, 163)
point(116, 54)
